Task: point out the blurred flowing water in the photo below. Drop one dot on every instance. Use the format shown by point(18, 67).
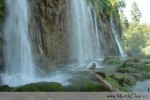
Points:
point(121, 49)
point(84, 41)
point(84, 38)
point(19, 65)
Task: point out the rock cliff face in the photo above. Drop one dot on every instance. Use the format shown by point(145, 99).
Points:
point(48, 28)
point(49, 36)
point(48, 31)
point(109, 44)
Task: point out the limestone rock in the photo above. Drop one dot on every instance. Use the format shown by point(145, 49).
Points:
point(47, 28)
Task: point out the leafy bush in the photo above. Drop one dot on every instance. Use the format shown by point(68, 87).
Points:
point(109, 7)
point(137, 39)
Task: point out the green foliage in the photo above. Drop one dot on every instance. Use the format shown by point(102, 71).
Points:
point(117, 5)
point(101, 5)
point(136, 35)
point(124, 21)
point(2, 6)
point(109, 7)
point(137, 38)
point(135, 13)
point(5, 88)
point(105, 9)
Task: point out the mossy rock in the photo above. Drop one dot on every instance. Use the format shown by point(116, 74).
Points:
point(112, 60)
point(123, 82)
point(126, 69)
point(131, 62)
point(41, 86)
point(85, 86)
point(126, 81)
point(92, 86)
point(134, 66)
point(6, 88)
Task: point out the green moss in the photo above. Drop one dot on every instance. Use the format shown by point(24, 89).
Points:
point(133, 66)
point(85, 81)
point(113, 82)
point(112, 60)
point(132, 60)
point(126, 69)
point(41, 86)
point(113, 76)
point(123, 82)
point(92, 86)
point(85, 86)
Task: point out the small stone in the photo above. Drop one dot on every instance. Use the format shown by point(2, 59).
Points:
point(93, 66)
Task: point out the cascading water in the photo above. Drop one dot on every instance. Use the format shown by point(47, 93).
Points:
point(121, 50)
point(84, 36)
point(93, 20)
point(18, 58)
point(19, 64)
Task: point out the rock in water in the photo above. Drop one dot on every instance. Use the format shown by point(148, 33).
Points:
point(93, 66)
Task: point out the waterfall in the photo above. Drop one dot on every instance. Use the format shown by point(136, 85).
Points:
point(84, 39)
point(93, 20)
point(121, 50)
point(19, 66)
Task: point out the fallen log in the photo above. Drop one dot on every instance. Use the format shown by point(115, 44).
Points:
point(106, 84)
point(101, 80)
